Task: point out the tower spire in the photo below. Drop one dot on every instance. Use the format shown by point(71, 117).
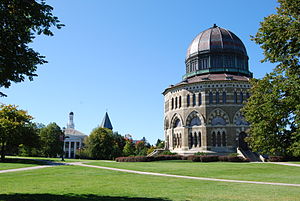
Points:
point(70, 123)
point(106, 122)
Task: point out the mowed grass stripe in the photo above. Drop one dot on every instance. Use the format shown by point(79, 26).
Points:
point(262, 172)
point(81, 181)
point(187, 177)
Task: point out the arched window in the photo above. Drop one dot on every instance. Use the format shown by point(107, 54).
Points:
point(195, 139)
point(218, 121)
point(180, 139)
point(210, 97)
point(177, 123)
point(199, 99)
point(235, 97)
point(174, 140)
point(224, 97)
point(195, 122)
point(176, 102)
point(194, 99)
point(199, 139)
point(172, 103)
point(188, 100)
point(179, 101)
point(214, 139)
point(218, 139)
point(223, 139)
point(191, 140)
point(241, 97)
point(217, 98)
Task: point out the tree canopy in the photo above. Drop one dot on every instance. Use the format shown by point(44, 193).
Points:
point(51, 144)
point(274, 106)
point(15, 128)
point(20, 22)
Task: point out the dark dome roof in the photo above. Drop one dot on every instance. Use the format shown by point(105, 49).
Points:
point(71, 113)
point(216, 50)
point(216, 39)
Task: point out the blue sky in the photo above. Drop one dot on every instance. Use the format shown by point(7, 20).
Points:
point(119, 56)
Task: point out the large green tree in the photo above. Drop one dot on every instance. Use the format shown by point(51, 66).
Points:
point(104, 144)
point(15, 128)
point(20, 22)
point(274, 106)
point(50, 140)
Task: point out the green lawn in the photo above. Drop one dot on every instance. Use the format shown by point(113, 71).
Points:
point(13, 163)
point(225, 170)
point(74, 183)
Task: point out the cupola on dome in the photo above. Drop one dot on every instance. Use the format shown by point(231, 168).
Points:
point(216, 50)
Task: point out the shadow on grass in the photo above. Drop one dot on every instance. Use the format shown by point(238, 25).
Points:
point(70, 197)
point(25, 161)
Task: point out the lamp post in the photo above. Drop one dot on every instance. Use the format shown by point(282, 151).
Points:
point(62, 138)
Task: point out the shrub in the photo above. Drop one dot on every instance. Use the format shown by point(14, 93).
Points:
point(223, 158)
point(233, 154)
point(167, 157)
point(167, 152)
point(276, 159)
point(197, 158)
point(134, 159)
point(236, 159)
point(200, 154)
point(209, 158)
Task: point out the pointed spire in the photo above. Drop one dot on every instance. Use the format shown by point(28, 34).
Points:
point(106, 122)
point(70, 124)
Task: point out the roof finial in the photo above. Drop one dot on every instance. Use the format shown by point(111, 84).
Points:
point(215, 26)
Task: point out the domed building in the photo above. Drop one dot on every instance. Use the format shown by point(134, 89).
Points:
point(202, 112)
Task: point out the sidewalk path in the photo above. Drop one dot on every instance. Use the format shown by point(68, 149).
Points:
point(288, 164)
point(50, 164)
point(184, 177)
point(27, 168)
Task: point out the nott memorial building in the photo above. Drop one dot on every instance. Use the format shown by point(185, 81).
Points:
point(202, 112)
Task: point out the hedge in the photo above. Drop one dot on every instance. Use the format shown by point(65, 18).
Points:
point(194, 158)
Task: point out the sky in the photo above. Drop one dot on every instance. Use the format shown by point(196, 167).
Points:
point(119, 56)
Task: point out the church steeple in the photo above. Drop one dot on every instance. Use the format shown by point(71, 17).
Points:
point(70, 124)
point(106, 122)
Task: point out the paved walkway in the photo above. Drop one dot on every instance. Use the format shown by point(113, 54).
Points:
point(185, 177)
point(288, 164)
point(27, 168)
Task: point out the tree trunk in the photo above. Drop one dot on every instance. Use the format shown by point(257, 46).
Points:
point(3, 152)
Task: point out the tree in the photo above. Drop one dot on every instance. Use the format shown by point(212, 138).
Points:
point(274, 106)
point(20, 22)
point(101, 143)
point(50, 140)
point(160, 144)
point(31, 145)
point(129, 148)
point(15, 128)
point(141, 148)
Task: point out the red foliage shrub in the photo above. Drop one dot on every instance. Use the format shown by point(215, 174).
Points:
point(236, 159)
point(134, 159)
point(276, 159)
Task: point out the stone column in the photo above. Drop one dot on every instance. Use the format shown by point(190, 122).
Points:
point(185, 139)
point(75, 144)
point(199, 139)
point(69, 155)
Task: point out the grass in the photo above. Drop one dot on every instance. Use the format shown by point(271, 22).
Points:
point(225, 170)
point(13, 163)
point(74, 183)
